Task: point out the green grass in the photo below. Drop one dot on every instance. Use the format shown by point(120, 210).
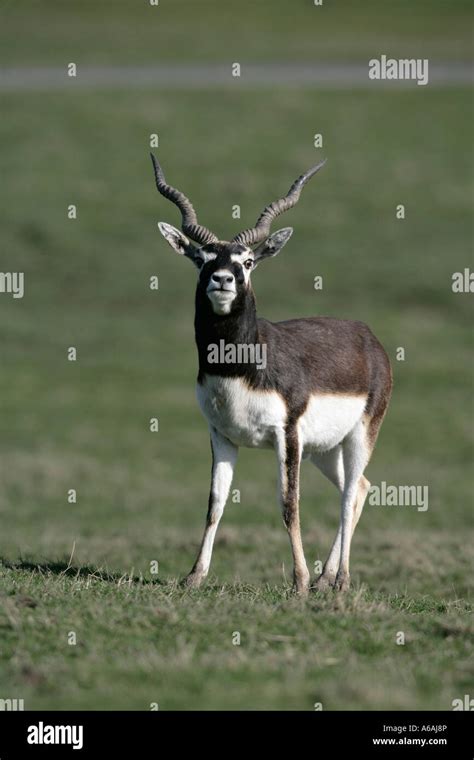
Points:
point(139, 641)
point(143, 496)
point(51, 32)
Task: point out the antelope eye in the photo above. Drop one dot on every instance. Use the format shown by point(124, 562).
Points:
point(248, 264)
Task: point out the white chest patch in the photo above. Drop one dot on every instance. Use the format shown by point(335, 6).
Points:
point(327, 420)
point(246, 417)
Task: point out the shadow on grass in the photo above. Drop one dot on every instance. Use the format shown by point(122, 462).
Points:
point(59, 567)
point(212, 587)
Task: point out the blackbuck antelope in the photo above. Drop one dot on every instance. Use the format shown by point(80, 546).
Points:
point(321, 394)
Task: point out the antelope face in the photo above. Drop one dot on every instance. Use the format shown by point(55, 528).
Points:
point(225, 276)
point(224, 268)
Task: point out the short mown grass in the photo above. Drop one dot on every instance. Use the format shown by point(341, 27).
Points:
point(84, 568)
point(228, 646)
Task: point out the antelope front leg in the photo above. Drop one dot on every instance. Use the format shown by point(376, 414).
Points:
point(289, 460)
point(224, 457)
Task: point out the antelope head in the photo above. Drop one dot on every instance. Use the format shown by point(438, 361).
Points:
point(225, 266)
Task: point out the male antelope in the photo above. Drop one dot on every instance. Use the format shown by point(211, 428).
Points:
point(322, 394)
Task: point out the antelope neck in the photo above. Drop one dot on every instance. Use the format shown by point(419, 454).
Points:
point(240, 327)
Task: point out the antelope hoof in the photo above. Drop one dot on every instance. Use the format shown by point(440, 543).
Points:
point(301, 589)
point(324, 583)
point(193, 580)
point(301, 585)
point(343, 582)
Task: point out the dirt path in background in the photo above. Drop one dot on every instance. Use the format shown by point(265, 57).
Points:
point(203, 76)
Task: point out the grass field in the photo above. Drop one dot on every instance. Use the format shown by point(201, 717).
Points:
point(142, 496)
point(48, 32)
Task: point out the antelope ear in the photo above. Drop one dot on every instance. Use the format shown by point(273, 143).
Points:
point(180, 243)
point(175, 238)
point(273, 244)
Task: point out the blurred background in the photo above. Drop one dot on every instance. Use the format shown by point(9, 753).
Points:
point(84, 425)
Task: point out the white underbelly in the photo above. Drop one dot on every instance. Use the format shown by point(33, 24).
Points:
point(327, 420)
point(254, 418)
point(250, 418)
